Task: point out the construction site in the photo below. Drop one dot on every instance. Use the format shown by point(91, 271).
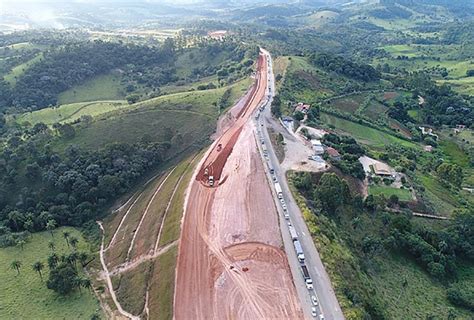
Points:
point(230, 259)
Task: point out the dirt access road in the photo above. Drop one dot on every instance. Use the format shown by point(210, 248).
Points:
point(230, 261)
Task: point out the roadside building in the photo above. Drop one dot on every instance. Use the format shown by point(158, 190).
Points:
point(333, 153)
point(382, 169)
point(301, 107)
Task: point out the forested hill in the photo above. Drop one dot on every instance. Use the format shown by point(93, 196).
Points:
point(140, 66)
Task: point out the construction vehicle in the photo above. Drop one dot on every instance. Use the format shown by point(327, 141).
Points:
point(294, 235)
point(219, 147)
point(306, 277)
point(211, 181)
point(299, 251)
point(278, 190)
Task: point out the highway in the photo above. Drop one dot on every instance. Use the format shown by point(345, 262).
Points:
point(328, 307)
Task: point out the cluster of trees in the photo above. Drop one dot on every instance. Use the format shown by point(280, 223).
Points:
point(350, 150)
point(358, 71)
point(438, 250)
point(72, 64)
point(67, 189)
point(442, 106)
point(450, 174)
point(64, 275)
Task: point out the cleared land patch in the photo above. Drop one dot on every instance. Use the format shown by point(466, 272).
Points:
point(70, 112)
point(402, 194)
point(103, 87)
point(364, 134)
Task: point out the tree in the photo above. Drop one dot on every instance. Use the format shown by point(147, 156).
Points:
point(73, 241)
point(133, 98)
point(299, 115)
point(62, 279)
point(21, 243)
point(51, 245)
point(83, 258)
point(50, 226)
point(16, 265)
point(38, 266)
point(276, 106)
point(53, 260)
point(66, 235)
point(86, 283)
point(331, 192)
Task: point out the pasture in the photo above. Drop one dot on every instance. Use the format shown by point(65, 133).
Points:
point(25, 296)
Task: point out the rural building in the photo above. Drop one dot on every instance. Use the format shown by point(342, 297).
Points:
point(382, 169)
point(333, 153)
point(428, 132)
point(428, 148)
point(301, 107)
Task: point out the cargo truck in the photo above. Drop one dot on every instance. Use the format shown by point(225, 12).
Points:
point(294, 235)
point(278, 190)
point(299, 251)
point(306, 277)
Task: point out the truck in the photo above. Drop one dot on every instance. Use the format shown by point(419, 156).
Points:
point(278, 190)
point(211, 181)
point(294, 235)
point(306, 277)
point(299, 250)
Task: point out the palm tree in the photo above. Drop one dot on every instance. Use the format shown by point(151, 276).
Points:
point(21, 243)
point(78, 282)
point(53, 260)
point(50, 226)
point(51, 245)
point(83, 258)
point(86, 283)
point(73, 241)
point(66, 235)
point(72, 258)
point(38, 266)
point(16, 265)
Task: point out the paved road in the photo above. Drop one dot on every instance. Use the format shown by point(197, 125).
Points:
point(328, 303)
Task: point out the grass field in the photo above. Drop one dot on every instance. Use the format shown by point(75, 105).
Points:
point(70, 112)
point(402, 194)
point(24, 296)
point(162, 285)
point(17, 71)
point(190, 117)
point(364, 134)
point(442, 199)
point(104, 87)
point(420, 297)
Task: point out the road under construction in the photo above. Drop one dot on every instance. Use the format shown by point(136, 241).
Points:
point(231, 264)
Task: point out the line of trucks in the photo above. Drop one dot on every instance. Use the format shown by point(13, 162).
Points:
point(296, 242)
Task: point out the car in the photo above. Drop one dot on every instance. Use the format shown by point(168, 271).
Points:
point(284, 206)
point(282, 201)
point(321, 317)
point(314, 300)
point(314, 313)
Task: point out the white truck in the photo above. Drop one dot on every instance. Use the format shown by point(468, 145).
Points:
point(278, 190)
point(299, 251)
point(294, 235)
point(211, 181)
